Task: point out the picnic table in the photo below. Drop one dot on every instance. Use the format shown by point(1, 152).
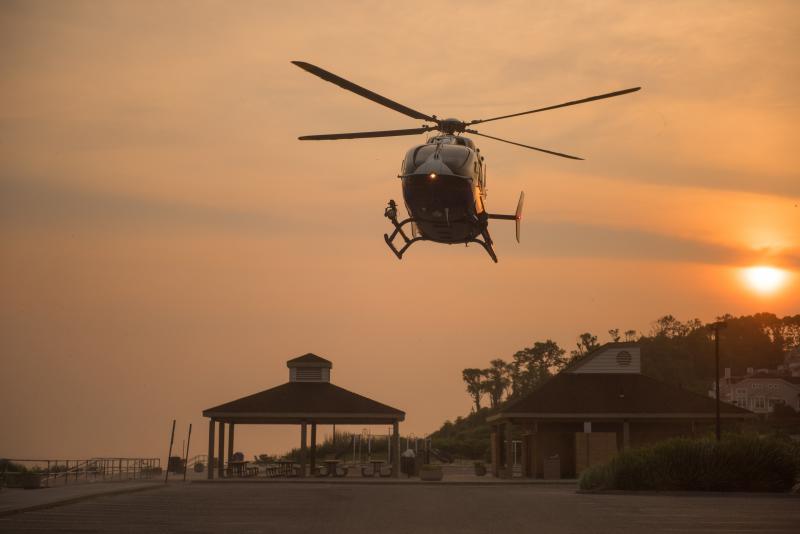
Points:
point(286, 468)
point(331, 466)
point(239, 468)
point(376, 468)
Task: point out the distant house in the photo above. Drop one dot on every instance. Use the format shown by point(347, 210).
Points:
point(594, 408)
point(759, 390)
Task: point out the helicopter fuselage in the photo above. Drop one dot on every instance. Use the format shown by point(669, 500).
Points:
point(444, 186)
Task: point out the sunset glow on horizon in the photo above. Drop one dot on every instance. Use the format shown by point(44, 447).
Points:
point(764, 279)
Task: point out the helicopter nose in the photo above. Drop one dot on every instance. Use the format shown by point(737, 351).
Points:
point(433, 167)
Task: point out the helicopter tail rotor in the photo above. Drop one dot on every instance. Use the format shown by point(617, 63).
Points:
point(517, 217)
point(518, 214)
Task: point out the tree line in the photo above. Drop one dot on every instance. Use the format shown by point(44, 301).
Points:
point(673, 351)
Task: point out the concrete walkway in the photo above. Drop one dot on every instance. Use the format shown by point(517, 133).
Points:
point(290, 508)
point(402, 481)
point(14, 500)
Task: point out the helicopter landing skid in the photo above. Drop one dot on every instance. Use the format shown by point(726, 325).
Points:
point(398, 229)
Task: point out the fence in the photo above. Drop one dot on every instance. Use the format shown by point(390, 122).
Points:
point(49, 471)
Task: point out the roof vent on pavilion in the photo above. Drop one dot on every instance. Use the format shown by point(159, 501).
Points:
point(309, 368)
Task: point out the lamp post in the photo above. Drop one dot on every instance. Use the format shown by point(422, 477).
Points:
point(716, 327)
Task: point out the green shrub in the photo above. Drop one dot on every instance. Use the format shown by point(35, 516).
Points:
point(738, 463)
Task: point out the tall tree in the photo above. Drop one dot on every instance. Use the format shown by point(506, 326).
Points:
point(498, 380)
point(586, 344)
point(668, 326)
point(630, 335)
point(533, 365)
point(614, 333)
point(474, 379)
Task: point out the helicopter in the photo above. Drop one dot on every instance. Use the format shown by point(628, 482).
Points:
point(444, 179)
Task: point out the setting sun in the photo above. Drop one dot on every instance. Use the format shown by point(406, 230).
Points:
point(764, 279)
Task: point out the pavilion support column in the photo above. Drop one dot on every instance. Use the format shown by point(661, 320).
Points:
point(210, 465)
point(626, 435)
point(221, 450)
point(494, 442)
point(396, 449)
point(313, 455)
point(526, 464)
point(303, 451)
point(533, 449)
point(230, 441)
point(509, 448)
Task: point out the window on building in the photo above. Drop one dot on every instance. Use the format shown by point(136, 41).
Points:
point(759, 403)
point(774, 402)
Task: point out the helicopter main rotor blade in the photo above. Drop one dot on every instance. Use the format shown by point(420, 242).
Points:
point(565, 104)
point(357, 89)
point(524, 146)
point(360, 135)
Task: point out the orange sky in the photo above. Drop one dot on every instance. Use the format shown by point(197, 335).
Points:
point(167, 243)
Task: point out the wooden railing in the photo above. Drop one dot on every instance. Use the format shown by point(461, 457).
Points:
point(50, 471)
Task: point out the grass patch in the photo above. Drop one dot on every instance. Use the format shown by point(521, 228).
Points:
point(737, 463)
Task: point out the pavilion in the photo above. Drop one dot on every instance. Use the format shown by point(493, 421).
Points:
point(594, 408)
point(308, 399)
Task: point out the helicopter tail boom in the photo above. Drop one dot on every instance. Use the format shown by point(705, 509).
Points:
point(517, 217)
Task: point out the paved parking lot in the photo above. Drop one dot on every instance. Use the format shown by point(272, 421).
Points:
point(351, 509)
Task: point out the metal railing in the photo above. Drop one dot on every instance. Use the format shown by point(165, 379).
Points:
point(197, 459)
point(51, 471)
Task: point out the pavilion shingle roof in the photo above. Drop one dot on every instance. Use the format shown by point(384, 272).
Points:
point(595, 393)
point(305, 398)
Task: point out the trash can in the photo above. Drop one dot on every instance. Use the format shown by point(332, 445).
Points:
point(407, 461)
point(552, 468)
point(175, 464)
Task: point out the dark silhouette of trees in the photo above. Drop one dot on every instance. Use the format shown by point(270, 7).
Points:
point(586, 344)
point(474, 378)
point(498, 380)
point(534, 365)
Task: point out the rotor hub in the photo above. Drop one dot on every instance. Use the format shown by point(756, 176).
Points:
point(451, 126)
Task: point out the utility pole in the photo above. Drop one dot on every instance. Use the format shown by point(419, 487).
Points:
point(716, 327)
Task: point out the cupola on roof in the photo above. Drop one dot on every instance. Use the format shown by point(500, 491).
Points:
point(309, 368)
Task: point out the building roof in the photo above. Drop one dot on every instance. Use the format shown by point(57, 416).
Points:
point(618, 395)
point(295, 402)
point(580, 362)
point(309, 358)
point(766, 376)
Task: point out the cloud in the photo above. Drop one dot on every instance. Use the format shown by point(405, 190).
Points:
point(569, 239)
point(32, 203)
